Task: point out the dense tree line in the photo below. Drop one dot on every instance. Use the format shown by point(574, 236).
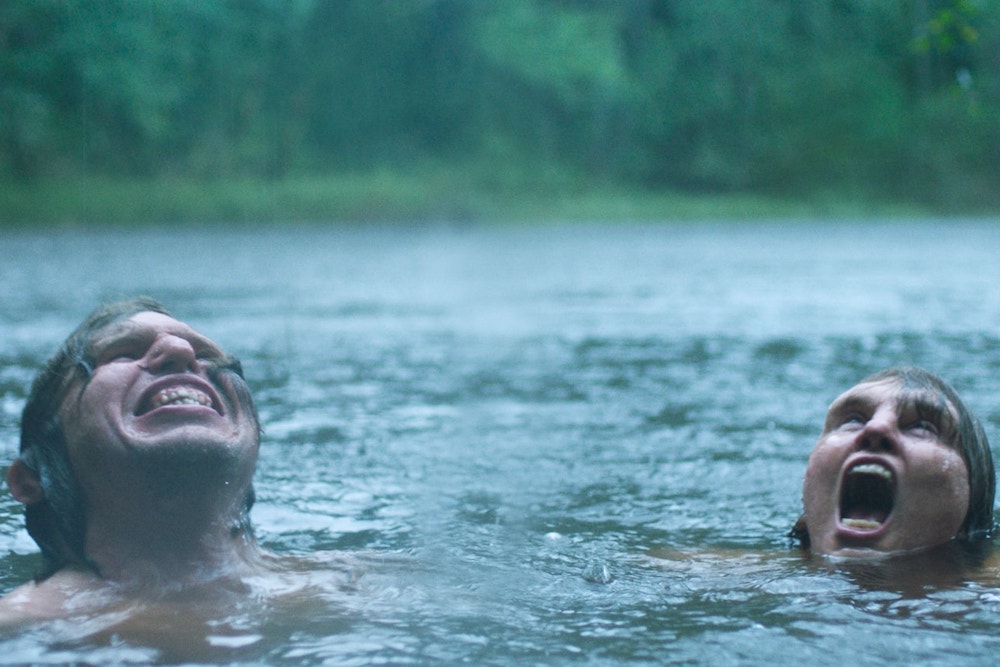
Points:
point(896, 98)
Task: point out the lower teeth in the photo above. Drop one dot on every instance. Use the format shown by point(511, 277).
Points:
point(861, 524)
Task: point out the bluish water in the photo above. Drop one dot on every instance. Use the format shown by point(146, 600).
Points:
point(557, 445)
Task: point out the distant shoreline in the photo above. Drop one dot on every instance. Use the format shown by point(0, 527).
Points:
point(393, 197)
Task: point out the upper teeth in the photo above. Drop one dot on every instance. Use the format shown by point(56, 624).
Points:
point(181, 396)
point(873, 469)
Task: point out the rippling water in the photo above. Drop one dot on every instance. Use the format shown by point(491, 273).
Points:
point(566, 444)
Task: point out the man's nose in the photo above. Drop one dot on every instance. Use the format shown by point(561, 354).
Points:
point(879, 433)
point(170, 354)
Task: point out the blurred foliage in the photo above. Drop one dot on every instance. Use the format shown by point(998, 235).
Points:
point(898, 99)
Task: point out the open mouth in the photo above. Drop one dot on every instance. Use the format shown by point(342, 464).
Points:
point(867, 496)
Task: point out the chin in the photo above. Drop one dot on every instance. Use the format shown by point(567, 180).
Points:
point(187, 434)
point(194, 446)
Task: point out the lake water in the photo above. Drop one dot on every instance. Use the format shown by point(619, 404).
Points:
point(566, 444)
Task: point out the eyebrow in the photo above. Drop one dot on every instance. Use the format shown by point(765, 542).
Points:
point(129, 333)
point(852, 403)
point(928, 405)
point(925, 403)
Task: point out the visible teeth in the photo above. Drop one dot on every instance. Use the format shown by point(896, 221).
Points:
point(181, 396)
point(861, 524)
point(873, 469)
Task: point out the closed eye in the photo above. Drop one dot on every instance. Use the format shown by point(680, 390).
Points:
point(120, 354)
point(122, 348)
point(209, 354)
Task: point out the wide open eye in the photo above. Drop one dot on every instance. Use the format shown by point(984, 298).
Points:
point(927, 415)
point(923, 427)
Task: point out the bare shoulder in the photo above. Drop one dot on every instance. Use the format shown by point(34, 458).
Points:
point(66, 592)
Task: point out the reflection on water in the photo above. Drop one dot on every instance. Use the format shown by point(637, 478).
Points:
point(576, 443)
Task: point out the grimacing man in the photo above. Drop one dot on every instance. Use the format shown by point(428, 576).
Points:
point(139, 442)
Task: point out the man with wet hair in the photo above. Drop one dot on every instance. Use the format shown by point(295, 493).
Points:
point(901, 465)
point(139, 441)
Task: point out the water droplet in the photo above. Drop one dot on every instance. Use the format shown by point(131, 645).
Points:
point(598, 573)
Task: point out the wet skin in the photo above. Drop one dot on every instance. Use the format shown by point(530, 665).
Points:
point(164, 447)
point(151, 398)
point(163, 444)
point(882, 478)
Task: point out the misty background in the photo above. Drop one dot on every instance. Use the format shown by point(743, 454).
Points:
point(186, 109)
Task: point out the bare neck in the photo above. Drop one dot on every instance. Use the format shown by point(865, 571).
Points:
point(171, 537)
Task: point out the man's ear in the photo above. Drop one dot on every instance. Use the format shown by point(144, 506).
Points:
point(24, 483)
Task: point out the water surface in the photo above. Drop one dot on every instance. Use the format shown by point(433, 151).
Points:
point(563, 444)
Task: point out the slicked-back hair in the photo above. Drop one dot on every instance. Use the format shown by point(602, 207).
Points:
point(57, 523)
point(966, 435)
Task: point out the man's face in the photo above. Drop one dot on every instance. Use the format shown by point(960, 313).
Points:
point(882, 478)
point(151, 397)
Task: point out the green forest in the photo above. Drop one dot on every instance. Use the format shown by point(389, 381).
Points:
point(131, 110)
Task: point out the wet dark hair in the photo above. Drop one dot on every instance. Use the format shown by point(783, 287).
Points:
point(966, 435)
point(57, 523)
